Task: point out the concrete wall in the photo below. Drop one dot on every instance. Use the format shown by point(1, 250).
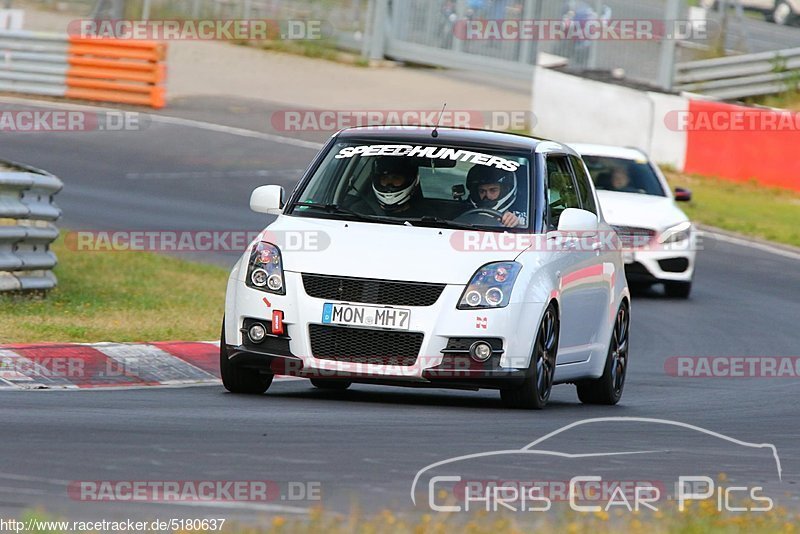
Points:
point(569, 108)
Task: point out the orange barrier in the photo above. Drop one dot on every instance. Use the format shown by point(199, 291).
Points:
point(741, 143)
point(113, 70)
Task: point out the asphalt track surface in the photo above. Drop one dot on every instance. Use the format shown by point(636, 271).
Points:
point(368, 443)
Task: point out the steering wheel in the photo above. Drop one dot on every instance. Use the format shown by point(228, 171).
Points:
point(482, 211)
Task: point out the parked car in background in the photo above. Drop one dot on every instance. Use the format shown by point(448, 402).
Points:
point(657, 236)
point(783, 12)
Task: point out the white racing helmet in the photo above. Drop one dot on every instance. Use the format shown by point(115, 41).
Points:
point(391, 196)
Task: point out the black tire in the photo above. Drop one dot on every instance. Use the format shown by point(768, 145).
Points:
point(330, 384)
point(678, 290)
point(238, 379)
point(534, 392)
point(608, 388)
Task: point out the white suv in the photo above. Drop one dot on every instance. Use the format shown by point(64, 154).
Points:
point(658, 238)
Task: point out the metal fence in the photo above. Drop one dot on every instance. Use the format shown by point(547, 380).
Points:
point(424, 32)
point(741, 76)
point(424, 29)
point(27, 213)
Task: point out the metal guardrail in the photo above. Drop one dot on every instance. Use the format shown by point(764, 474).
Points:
point(741, 76)
point(27, 213)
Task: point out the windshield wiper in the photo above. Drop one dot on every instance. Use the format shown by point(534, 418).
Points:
point(339, 210)
point(446, 222)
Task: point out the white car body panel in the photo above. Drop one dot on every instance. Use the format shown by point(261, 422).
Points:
point(362, 251)
point(583, 289)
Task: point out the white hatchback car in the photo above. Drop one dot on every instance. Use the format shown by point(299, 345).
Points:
point(439, 258)
point(658, 238)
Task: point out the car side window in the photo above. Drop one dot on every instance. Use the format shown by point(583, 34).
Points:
point(584, 187)
point(560, 189)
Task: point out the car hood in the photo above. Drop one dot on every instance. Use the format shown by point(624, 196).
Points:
point(641, 211)
point(374, 250)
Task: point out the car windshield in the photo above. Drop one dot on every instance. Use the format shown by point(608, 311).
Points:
point(420, 185)
point(624, 175)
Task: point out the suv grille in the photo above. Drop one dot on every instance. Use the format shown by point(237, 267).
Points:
point(632, 237)
point(370, 291)
point(360, 345)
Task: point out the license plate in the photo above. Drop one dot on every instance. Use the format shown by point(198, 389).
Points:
point(349, 314)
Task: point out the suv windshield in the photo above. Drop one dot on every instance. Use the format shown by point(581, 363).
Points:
point(421, 185)
point(624, 175)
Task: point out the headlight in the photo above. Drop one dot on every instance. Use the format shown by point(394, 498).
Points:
point(490, 286)
point(679, 232)
point(265, 270)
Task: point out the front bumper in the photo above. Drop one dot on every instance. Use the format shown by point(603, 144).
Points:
point(438, 363)
point(653, 266)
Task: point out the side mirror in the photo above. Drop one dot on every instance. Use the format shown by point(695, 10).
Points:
point(575, 220)
point(682, 195)
point(267, 199)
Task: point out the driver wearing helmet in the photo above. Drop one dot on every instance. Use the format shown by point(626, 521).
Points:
point(395, 183)
point(495, 189)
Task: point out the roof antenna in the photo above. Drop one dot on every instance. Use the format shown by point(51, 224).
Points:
point(434, 133)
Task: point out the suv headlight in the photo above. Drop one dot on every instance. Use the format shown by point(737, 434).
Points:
point(265, 269)
point(490, 286)
point(675, 234)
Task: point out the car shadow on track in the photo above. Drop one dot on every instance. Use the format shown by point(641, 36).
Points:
point(368, 394)
point(651, 292)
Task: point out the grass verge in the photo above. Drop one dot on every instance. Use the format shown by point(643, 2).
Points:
point(119, 296)
point(744, 207)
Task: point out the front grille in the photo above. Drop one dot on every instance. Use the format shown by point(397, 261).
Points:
point(633, 237)
point(370, 291)
point(360, 345)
